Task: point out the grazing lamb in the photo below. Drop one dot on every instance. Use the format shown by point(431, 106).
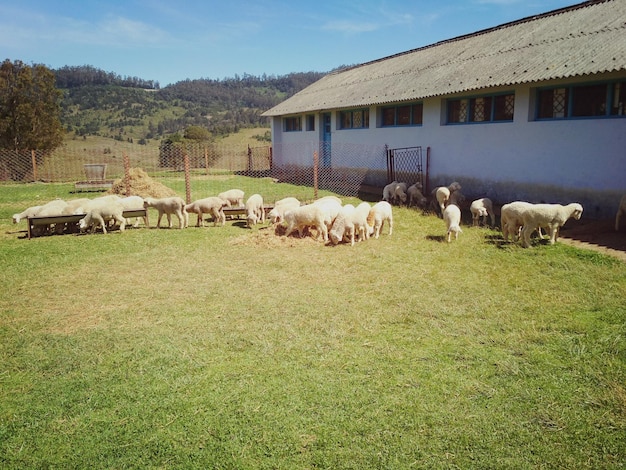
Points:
point(620, 212)
point(254, 210)
point(102, 213)
point(442, 194)
point(210, 205)
point(552, 216)
point(51, 209)
point(169, 206)
point(276, 215)
point(359, 221)
point(395, 193)
point(511, 219)
point(388, 191)
point(452, 218)
point(343, 228)
point(306, 216)
point(28, 212)
point(415, 196)
point(331, 206)
point(378, 214)
point(131, 203)
point(233, 196)
point(480, 209)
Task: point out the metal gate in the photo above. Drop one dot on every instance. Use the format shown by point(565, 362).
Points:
point(407, 165)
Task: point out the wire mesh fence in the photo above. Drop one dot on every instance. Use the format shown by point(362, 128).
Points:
point(352, 169)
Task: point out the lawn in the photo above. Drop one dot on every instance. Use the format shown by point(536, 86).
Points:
point(236, 348)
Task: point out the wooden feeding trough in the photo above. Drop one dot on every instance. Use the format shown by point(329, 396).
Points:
point(96, 178)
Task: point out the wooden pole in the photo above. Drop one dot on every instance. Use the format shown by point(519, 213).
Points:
point(33, 157)
point(206, 160)
point(127, 173)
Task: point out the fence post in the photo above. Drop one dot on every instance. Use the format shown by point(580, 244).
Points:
point(33, 157)
point(187, 180)
point(126, 173)
point(249, 172)
point(206, 160)
point(427, 184)
point(315, 170)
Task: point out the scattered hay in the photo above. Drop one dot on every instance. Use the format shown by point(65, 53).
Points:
point(269, 237)
point(140, 184)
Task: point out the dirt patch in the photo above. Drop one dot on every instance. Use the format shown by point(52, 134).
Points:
point(598, 235)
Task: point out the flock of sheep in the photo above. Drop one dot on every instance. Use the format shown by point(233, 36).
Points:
point(333, 221)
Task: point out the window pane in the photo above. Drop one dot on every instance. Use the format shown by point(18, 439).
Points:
point(417, 113)
point(366, 118)
point(310, 122)
point(480, 109)
point(589, 100)
point(357, 119)
point(457, 111)
point(346, 121)
point(552, 103)
point(404, 115)
point(389, 117)
point(503, 107)
point(618, 107)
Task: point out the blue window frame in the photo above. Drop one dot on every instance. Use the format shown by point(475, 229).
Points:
point(354, 119)
point(486, 108)
point(402, 115)
point(293, 124)
point(588, 100)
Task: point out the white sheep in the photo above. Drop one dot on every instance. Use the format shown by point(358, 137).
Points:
point(53, 208)
point(343, 228)
point(395, 193)
point(511, 219)
point(209, 205)
point(415, 196)
point(28, 212)
point(131, 203)
point(620, 212)
point(331, 205)
point(452, 218)
point(552, 216)
point(359, 221)
point(442, 194)
point(233, 196)
point(101, 213)
point(168, 206)
point(480, 209)
point(276, 214)
point(378, 214)
point(388, 191)
point(310, 215)
point(254, 210)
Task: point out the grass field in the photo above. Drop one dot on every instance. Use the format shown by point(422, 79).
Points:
point(235, 348)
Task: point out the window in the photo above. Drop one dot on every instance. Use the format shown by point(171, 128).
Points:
point(310, 122)
point(405, 115)
point(356, 119)
point(489, 108)
point(293, 124)
point(587, 100)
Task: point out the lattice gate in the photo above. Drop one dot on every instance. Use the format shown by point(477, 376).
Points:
point(407, 165)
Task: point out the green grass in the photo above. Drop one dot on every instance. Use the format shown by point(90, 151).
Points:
point(225, 347)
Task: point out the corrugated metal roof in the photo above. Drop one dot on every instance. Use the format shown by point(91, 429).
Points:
point(583, 39)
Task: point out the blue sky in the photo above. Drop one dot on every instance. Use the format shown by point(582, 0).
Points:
point(172, 40)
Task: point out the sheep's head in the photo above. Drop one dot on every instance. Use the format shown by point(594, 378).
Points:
point(16, 218)
point(82, 224)
point(578, 211)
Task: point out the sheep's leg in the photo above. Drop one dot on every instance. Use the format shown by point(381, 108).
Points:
point(169, 219)
point(527, 230)
point(122, 222)
point(159, 219)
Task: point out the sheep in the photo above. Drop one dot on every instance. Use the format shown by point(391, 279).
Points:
point(442, 194)
point(452, 218)
point(52, 209)
point(210, 205)
point(378, 214)
point(132, 203)
point(395, 193)
point(169, 206)
point(552, 216)
point(304, 216)
point(480, 209)
point(331, 206)
point(388, 191)
point(415, 196)
point(511, 219)
point(620, 212)
point(28, 212)
point(101, 213)
point(254, 210)
point(343, 228)
point(276, 214)
point(359, 221)
point(233, 196)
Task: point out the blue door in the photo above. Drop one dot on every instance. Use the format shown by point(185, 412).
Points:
point(326, 140)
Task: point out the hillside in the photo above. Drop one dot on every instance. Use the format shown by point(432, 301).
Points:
point(97, 103)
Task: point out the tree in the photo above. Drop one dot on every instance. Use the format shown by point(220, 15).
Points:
point(197, 133)
point(29, 116)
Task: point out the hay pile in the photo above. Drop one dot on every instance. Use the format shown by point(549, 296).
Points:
point(141, 184)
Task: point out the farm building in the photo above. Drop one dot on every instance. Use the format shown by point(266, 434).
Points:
point(534, 109)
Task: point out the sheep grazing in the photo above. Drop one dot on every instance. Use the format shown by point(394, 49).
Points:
point(415, 196)
point(306, 216)
point(101, 213)
point(552, 216)
point(343, 228)
point(131, 203)
point(331, 205)
point(359, 221)
point(378, 214)
point(276, 215)
point(233, 196)
point(620, 212)
point(480, 209)
point(452, 218)
point(209, 205)
point(442, 194)
point(254, 210)
point(395, 193)
point(168, 206)
point(51, 209)
point(28, 212)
